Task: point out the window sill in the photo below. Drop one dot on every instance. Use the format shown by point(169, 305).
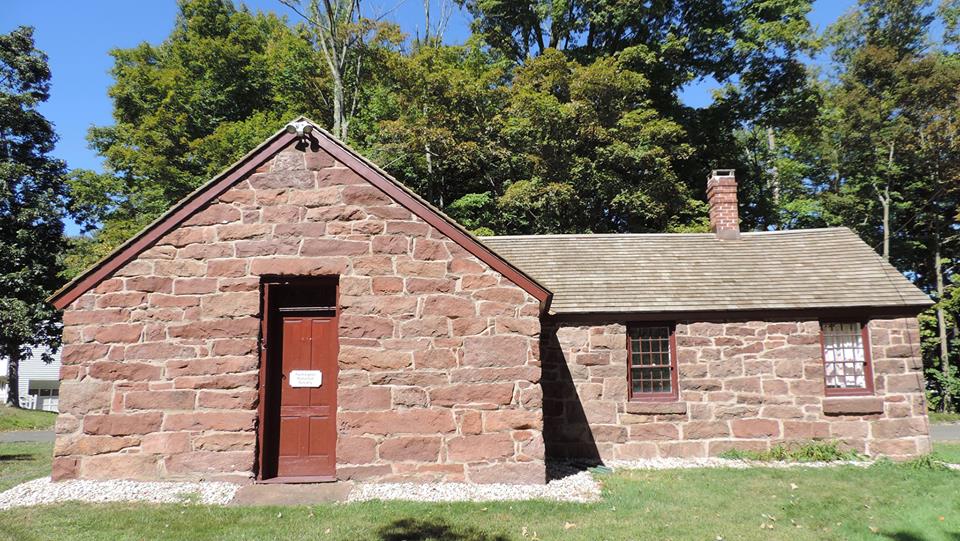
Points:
point(652, 407)
point(852, 405)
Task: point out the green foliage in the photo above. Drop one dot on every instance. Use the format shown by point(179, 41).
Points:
point(185, 109)
point(33, 197)
point(926, 462)
point(814, 451)
point(432, 121)
point(588, 151)
point(946, 384)
point(474, 211)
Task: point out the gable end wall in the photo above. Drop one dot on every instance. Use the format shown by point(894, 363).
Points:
point(439, 365)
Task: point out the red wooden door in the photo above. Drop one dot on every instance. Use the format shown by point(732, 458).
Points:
point(308, 415)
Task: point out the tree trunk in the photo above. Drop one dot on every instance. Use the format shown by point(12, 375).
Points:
point(774, 173)
point(885, 201)
point(339, 124)
point(13, 378)
point(945, 404)
point(331, 25)
point(426, 17)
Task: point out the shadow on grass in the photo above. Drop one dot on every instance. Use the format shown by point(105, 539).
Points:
point(409, 529)
point(17, 457)
point(908, 536)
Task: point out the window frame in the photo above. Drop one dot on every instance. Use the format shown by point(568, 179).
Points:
point(674, 394)
point(868, 388)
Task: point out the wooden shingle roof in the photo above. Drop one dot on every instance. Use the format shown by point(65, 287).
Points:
point(810, 269)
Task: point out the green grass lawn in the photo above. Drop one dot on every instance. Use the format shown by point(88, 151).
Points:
point(937, 417)
point(19, 419)
point(885, 501)
point(947, 451)
point(21, 462)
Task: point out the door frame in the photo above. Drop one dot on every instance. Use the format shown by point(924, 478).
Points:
point(268, 362)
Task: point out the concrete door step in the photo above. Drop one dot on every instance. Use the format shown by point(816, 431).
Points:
point(294, 494)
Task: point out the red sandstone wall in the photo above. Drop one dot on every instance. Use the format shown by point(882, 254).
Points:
point(439, 365)
point(743, 385)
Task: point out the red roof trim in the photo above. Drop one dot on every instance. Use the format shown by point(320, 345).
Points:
point(248, 164)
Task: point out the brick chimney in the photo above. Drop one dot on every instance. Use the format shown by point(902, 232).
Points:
point(722, 196)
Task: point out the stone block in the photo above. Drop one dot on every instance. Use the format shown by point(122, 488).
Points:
point(160, 400)
point(363, 398)
point(122, 424)
point(165, 443)
point(492, 351)
point(702, 430)
point(120, 466)
point(853, 405)
point(210, 420)
point(81, 397)
point(755, 428)
point(412, 421)
point(410, 449)
point(480, 448)
point(476, 394)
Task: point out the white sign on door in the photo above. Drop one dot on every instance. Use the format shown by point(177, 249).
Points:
point(306, 378)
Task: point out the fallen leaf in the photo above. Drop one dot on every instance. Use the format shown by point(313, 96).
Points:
point(874, 529)
point(793, 486)
point(568, 525)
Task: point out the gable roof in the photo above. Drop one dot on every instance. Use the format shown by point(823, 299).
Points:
point(811, 269)
point(247, 165)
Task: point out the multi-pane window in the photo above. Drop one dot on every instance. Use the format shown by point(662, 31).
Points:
point(44, 393)
point(652, 362)
point(846, 358)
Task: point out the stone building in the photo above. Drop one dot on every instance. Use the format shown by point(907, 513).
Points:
point(304, 317)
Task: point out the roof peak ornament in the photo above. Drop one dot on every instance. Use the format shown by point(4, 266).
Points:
point(302, 128)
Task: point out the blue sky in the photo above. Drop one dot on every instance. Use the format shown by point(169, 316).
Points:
point(78, 35)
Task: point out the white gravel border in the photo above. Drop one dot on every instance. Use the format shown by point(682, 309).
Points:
point(43, 491)
point(579, 487)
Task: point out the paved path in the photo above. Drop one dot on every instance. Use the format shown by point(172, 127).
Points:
point(44, 436)
point(283, 494)
point(945, 432)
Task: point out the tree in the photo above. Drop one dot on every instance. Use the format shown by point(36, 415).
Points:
point(222, 82)
point(432, 121)
point(32, 206)
point(588, 151)
point(342, 35)
point(893, 116)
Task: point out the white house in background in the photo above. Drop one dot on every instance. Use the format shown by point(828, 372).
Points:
point(39, 381)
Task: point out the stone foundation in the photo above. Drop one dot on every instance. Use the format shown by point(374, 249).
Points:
point(439, 364)
point(742, 385)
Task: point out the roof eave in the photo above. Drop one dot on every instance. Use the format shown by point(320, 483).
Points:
point(710, 314)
